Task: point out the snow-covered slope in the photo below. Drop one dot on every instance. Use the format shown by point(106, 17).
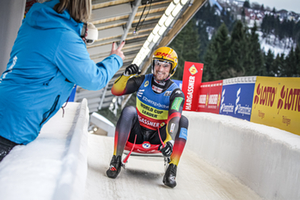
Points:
point(276, 46)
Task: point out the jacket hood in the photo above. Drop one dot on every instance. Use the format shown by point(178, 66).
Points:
point(43, 16)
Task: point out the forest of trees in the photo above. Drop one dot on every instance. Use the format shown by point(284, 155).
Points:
point(234, 49)
point(286, 29)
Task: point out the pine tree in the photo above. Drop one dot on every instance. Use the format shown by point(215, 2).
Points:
point(210, 58)
point(223, 52)
point(297, 33)
point(187, 46)
point(243, 15)
point(276, 27)
point(246, 4)
point(278, 66)
point(255, 53)
point(203, 37)
point(217, 57)
point(297, 61)
point(269, 59)
point(238, 48)
point(290, 69)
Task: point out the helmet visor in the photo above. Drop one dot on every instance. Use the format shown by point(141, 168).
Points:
point(163, 63)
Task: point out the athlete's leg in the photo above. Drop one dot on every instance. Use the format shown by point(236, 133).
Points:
point(180, 140)
point(127, 124)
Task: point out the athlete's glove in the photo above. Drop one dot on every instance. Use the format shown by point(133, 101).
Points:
point(131, 69)
point(168, 149)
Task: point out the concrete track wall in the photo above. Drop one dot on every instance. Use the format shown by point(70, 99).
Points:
point(264, 158)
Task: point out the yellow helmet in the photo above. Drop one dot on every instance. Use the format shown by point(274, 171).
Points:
point(168, 55)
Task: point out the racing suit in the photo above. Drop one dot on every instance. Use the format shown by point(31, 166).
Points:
point(158, 106)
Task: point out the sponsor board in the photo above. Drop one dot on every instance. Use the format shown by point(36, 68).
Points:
point(210, 97)
point(276, 103)
point(192, 78)
point(178, 82)
point(237, 96)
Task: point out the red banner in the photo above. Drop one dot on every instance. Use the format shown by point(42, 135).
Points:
point(210, 96)
point(192, 78)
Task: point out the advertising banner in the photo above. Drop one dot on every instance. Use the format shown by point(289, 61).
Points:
point(192, 77)
point(210, 97)
point(237, 96)
point(178, 82)
point(276, 103)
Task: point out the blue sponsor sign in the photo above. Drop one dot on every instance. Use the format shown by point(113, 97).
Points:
point(178, 82)
point(237, 100)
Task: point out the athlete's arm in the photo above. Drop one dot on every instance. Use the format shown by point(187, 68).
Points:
point(175, 111)
point(127, 84)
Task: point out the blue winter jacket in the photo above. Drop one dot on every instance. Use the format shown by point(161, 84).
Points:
point(47, 59)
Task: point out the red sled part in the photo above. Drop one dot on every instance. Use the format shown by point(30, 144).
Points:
point(144, 148)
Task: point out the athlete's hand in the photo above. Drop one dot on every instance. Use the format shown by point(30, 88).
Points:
point(131, 69)
point(118, 50)
point(168, 149)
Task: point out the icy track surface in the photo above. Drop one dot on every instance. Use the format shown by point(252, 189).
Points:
point(142, 178)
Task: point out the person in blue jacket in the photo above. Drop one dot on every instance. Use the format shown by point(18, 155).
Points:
point(48, 58)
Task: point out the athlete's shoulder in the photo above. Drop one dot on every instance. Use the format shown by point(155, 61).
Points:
point(177, 93)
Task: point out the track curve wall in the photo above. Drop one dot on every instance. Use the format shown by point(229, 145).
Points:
point(264, 158)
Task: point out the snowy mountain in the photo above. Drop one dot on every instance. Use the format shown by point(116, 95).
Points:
point(256, 14)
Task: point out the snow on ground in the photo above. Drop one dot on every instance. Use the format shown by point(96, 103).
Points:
point(276, 47)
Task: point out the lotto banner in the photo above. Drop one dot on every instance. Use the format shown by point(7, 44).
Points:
point(192, 77)
point(276, 103)
point(210, 97)
point(237, 96)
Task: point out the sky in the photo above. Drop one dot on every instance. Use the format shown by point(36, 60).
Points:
point(289, 5)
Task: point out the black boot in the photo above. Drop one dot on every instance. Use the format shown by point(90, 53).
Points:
point(115, 167)
point(170, 175)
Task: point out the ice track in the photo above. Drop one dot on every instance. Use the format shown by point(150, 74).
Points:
point(142, 178)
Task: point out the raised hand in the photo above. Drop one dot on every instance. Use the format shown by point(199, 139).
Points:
point(118, 50)
point(131, 69)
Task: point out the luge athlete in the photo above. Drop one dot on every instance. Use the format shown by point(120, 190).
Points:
point(159, 105)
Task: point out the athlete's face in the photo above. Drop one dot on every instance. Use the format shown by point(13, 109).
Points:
point(161, 70)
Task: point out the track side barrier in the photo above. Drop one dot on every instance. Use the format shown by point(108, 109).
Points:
point(71, 184)
point(54, 165)
point(264, 158)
